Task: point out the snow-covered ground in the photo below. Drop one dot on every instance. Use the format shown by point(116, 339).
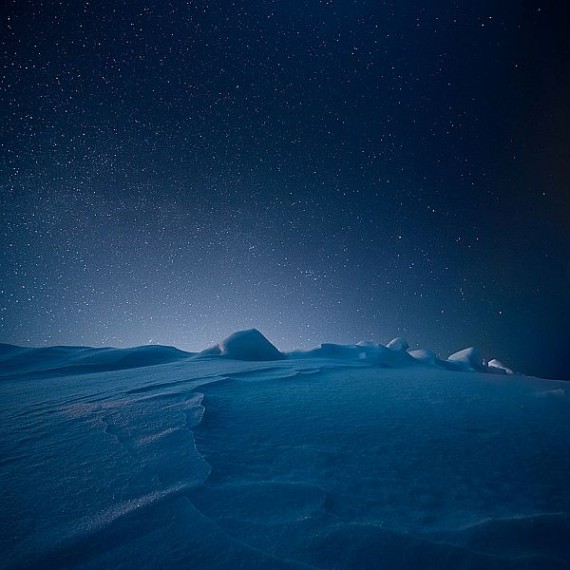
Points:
point(359, 457)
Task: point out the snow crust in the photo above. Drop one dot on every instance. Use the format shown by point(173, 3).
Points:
point(341, 457)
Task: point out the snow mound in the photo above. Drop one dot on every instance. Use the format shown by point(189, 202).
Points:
point(425, 356)
point(134, 357)
point(331, 350)
point(467, 359)
point(498, 366)
point(396, 354)
point(245, 345)
point(398, 343)
point(364, 351)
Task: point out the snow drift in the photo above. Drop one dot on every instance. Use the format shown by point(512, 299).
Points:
point(341, 457)
point(252, 345)
point(245, 345)
point(79, 359)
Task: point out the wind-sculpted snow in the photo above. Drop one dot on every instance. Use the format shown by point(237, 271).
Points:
point(245, 345)
point(364, 456)
point(248, 345)
point(251, 345)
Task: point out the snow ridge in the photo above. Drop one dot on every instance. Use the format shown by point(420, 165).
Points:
point(247, 345)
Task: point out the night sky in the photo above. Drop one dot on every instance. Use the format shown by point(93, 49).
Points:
point(324, 171)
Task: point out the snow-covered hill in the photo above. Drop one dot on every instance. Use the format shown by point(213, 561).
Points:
point(363, 456)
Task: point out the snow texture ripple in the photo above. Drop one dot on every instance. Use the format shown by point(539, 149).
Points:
point(363, 456)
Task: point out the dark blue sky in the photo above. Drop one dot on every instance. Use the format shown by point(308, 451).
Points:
point(321, 170)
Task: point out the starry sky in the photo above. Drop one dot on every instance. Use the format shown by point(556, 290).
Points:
point(322, 170)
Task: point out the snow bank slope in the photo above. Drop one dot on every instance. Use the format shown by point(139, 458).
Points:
point(79, 359)
point(330, 461)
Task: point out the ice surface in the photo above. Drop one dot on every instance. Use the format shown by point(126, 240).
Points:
point(335, 458)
